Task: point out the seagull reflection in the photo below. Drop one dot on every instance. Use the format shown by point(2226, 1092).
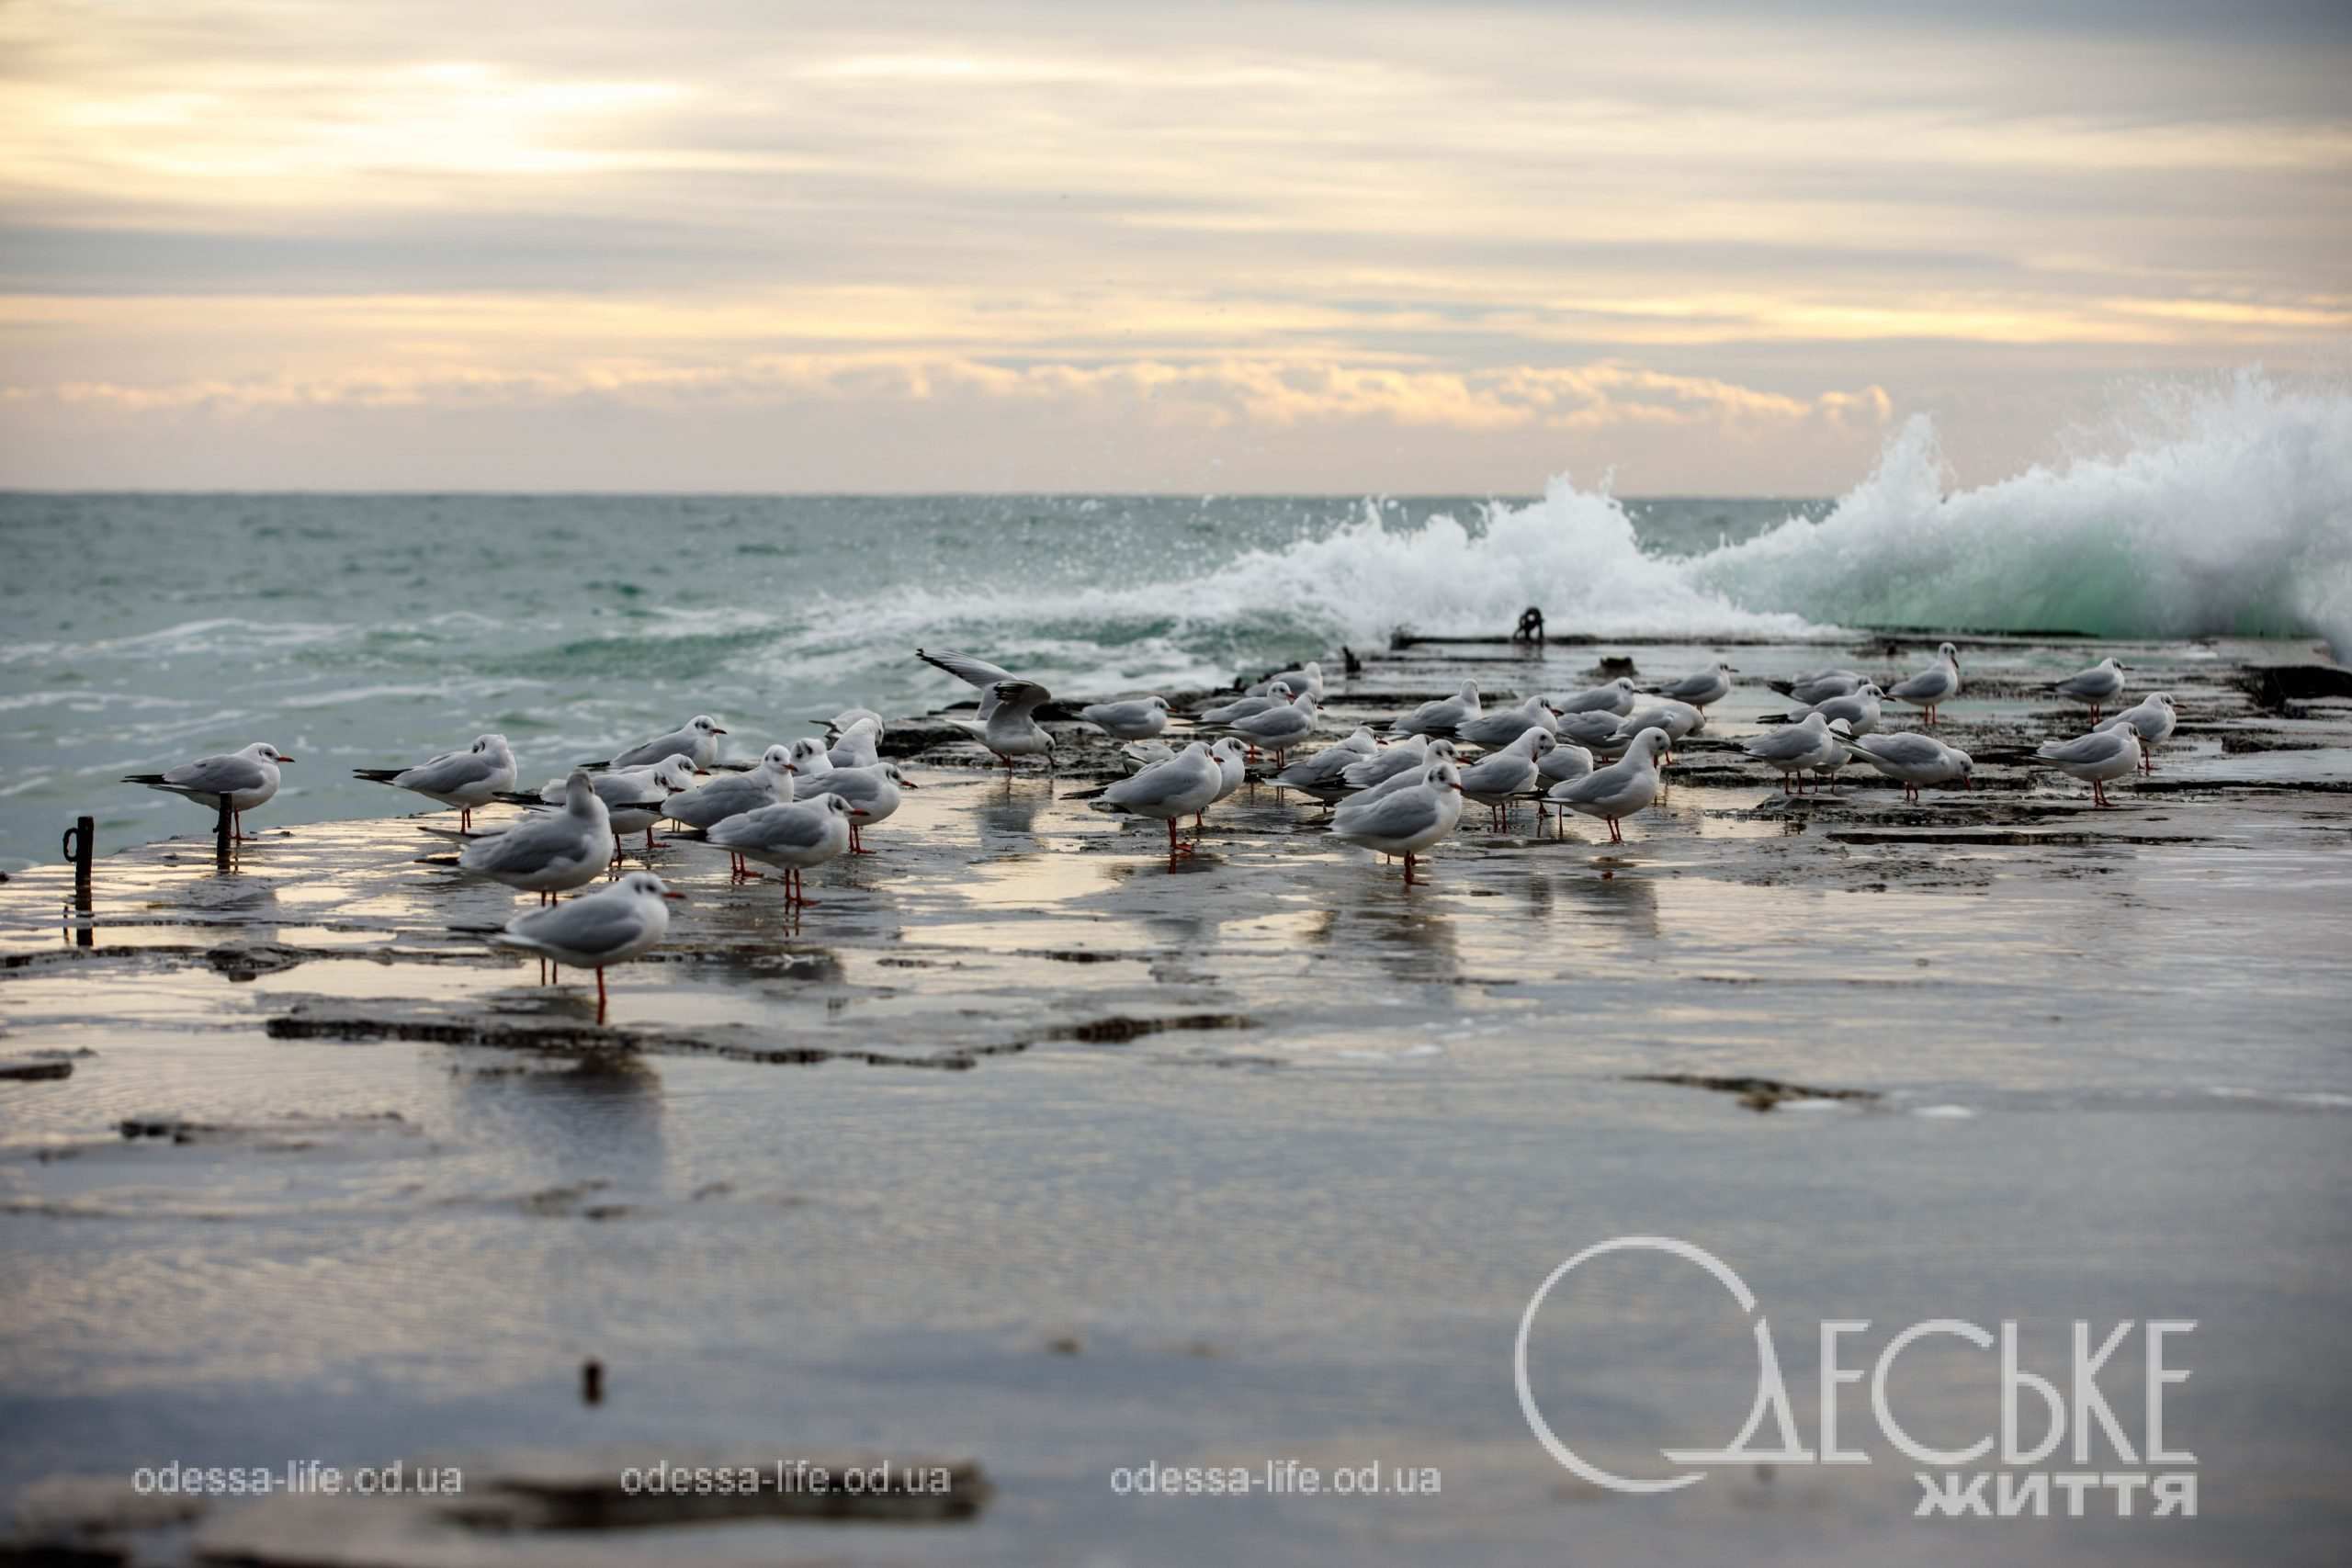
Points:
point(1413, 945)
point(597, 1117)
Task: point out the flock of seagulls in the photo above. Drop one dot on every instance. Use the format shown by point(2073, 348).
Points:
point(1597, 753)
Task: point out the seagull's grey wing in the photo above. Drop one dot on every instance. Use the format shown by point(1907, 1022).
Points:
point(963, 667)
point(797, 827)
point(1904, 750)
point(528, 846)
point(1156, 785)
point(450, 771)
point(216, 775)
point(1397, 816)
point(2097, 746)
point(1783, 744)
point(594, 924)
point(1020, 698)
point(1598, 784)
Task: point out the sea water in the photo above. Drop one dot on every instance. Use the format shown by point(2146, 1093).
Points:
point(376, 630)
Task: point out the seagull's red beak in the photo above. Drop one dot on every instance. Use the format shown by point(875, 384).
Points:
point(679, 898)
point(716, 730)
point(284, 758)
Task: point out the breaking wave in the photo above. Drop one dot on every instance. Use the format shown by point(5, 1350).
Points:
point(2219, 510)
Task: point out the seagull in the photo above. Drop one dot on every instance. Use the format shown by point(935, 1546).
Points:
point(1139, 719)
point(697, 738)
point(1406, 756)
point(810, 759)
point(855, 746)
point(1612, 697)
point(1913, 758)
point(972, 671)
point(1793, 748)
point(1818, 685)
point(1321, 774)
point(1011, 728)
point(633, 798)
point(1277, 694)
point(1617, 792)
point(1407, 777)
point(1858, 708)
point(609, 926)
point(548, 852)
point(467, 779)
point(1232, 764)
point(1707, 686)
point(1279, 730)
point(1496, 778)
point(791, 837)
point(1833, 754)
point(2097, 685)
point(1565, 762)
point(1931, 687)
point(1444, 715)
point(874, 791)
point(731, 794)
point(1590, 727)
point(1676, 719)
point(1405, 821)
point(2153, 719)
point(2097, 759)
point(247, 778)
point(1137, 755)
point(1307, 677)
point(1503, 725)
point(1185, 785)
point(841, 721)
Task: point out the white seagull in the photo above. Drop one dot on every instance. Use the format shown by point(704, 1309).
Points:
point(2097, 759)
point(2153, 719)
point(1913, 758)
point(1321, 775)
point(857, 747)
point(1500, 726)
point(247, 778)
point(1794, 748)
point(1140, 718)
point(1279, 730)
point(2099, 684)
point(467, 779)
point(1612, 697)
point(633, 798)
point(1011, 728)
point(1277, 694)
point(1444, 715)
point(1858, 708)
point(973, 672)
point(874, 791)
point(1307, 677)
point(1818, 685)
point(1676, 719)
point(548, 852)
point(1931, 687)
point(1707, 686)
point(1495, 779)
point(790, 837)
point(1404, 821)
point(609, 926)
point(697, 738)
point(1618, 791)
point(1185, 785)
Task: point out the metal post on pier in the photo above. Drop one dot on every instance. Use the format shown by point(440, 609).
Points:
point(222, 832)
point(81, 844)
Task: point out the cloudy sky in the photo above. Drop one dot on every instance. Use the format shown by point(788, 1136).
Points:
point(1169, 246)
